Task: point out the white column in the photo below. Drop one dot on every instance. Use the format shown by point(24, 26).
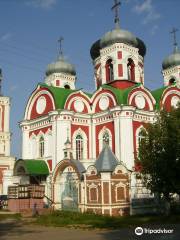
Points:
point(126, 140)
point(6, 114)
point(7, 144)
point(7, 180)
point(62, 127)
point(117, 138)
point(103, 74)
point(25, 143)
point(54, 142)
point(92, 144)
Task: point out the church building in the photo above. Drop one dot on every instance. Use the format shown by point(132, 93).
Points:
point(82, 146)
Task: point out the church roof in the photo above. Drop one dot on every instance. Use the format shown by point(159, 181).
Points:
point(117, 36)
point(60, 66)
point(106, 161)
point(121, 94)
point(157, 94)
point(60, 94)
point(79, 166)
point(172, 60)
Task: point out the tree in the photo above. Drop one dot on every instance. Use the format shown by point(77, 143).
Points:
point(159, 154)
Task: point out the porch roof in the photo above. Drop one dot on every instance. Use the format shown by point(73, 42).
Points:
point(32, 167)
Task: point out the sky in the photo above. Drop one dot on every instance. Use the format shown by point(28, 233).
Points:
point(30, 29)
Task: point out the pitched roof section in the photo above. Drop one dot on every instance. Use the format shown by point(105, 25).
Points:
point(106, 161)
point(79, 166)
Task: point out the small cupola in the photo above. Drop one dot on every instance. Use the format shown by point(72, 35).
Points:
point(61, 73)
point(118, 55)
point(67, 147)
point(171, 64)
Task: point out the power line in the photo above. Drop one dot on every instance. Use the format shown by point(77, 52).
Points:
point(20, 65)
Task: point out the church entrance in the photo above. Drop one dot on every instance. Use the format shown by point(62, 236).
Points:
point(67, 178)
point(69, 189)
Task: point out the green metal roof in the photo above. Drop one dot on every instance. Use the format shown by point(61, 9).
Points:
point(61, 94)
point(121, 95)
point(32, 167)
point(157, 94)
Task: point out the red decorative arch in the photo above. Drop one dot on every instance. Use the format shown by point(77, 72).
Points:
point(62, 165)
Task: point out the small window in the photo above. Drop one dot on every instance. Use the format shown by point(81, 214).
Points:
point(106, 138)
point(120, 193)
point(79, 147)
point(65, 154)
point(41, 147)
point(172, 81)
point(140, 136)
point(131, 70)
point(57, 82)
point(109, 71)
point(66, 86)
point(93, 192)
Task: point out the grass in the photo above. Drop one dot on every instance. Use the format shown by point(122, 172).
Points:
point(16, 216)
point(89, 220)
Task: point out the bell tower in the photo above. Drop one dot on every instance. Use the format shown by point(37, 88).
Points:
point(6, 161)
point(171, 64)
point(118, 56)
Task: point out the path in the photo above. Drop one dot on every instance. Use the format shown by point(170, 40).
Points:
point(13, 230)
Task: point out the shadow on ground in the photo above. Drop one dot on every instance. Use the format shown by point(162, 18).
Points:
point(129, 234)
point(12, 228)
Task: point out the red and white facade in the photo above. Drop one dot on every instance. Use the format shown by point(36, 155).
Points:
point(68, 128)
point(6, 161)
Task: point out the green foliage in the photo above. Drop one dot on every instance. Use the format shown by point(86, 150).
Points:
point(159, 154)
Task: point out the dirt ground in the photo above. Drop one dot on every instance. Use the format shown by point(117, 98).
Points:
point(13, 230)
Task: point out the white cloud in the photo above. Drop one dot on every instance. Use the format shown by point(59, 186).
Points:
point(147, 8)
point(154, 29)
point(5, 37)
point(45, 4)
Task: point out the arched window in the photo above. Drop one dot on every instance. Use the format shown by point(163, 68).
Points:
point(172, 81)
point(106, 138)
point(41, 147)
point(140, 134)
point(131, 70)
point(79, 147)
point(109, 71)
point(66, 86)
